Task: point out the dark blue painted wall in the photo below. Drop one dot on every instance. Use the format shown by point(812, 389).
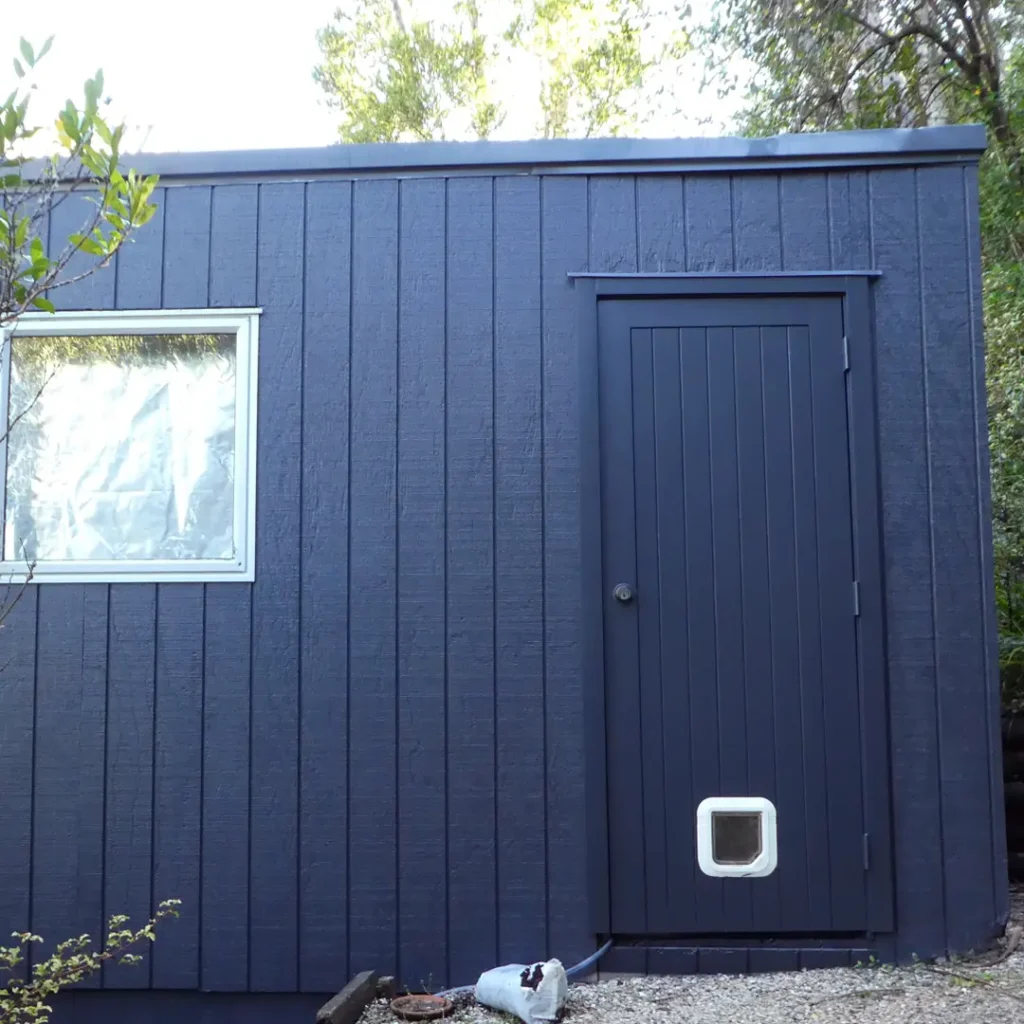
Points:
point(373, 756)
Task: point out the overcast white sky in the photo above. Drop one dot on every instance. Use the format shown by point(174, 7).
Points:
point(214, 74)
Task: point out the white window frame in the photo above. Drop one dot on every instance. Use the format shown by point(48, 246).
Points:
point(244, 324)
point(765, 862)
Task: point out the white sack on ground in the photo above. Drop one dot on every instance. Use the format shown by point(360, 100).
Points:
point(533, 992)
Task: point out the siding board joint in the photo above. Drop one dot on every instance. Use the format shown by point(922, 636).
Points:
point(846, 354)
point(867, 851)
point(856, 599)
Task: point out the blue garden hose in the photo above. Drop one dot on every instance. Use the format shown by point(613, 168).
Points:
point(584, 965)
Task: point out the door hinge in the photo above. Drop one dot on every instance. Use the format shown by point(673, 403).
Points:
point(846, 353)
point(867, 851)
point(856, 599)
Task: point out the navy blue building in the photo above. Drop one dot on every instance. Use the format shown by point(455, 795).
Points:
point(593, 481)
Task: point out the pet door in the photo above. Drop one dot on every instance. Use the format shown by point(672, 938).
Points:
point(736, 837)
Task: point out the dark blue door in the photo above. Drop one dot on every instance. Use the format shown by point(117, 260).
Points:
point(731, 656)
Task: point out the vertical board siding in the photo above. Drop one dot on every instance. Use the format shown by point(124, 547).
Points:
point(804, 226)
point(186, 264)
point(612, 240)
point(725, 557)
point(518, 571)
point(91, 766)
point(849, 225)
point(661, 224)
point(756, 229)
point(224, 938)
point(838, 642)
point(704, 771)
point(613, 237)
point(421, 739)
point(128, 867)
point(177, 784)
point(372, 886)
point(564, 247)
point(472, 895)
point(373, 756)
point(709, 227)
point(961, 679)
point(849, 221)
point(758, 246)
point(792, 774)
point(178, 737)
point(139, 265)
point(273, 820)
point(674, 600)
point(97, 290)
point(627, 848)
point(904, 476)
point(804, 222)
point(669, 854)
point(323, 751)
point(234, 226)
point(17, 741)
point(58, 701)
point(227, 659)
point(809, 647)
point(128, 864)
point(757, 624)
point(649, 574)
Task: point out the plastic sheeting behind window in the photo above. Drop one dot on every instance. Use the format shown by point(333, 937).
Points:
point(128, 452)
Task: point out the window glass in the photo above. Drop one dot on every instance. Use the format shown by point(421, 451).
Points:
point(121, 447)
point(735, 837)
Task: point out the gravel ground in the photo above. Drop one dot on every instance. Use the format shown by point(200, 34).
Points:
point(968, 991)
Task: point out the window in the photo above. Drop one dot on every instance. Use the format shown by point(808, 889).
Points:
point(131, 445)
point(736, 837)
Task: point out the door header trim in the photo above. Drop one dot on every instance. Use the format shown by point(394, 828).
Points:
point(599, 286)
point(728, 275)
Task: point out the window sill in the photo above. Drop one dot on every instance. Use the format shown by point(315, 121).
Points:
point(128, 572)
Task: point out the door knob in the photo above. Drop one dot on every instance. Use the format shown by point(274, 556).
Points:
point(623, 592)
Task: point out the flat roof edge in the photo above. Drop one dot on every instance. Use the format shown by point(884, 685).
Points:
point(874, 147)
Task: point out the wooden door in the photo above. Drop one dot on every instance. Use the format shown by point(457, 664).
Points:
point(731, 665)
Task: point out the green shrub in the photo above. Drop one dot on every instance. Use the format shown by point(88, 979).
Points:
point(27, 1000)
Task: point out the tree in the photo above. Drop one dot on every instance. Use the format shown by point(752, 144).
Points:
point(35, 179)
point(85, 159)
point(822, 64)
point(592, 62)
point(394, 77)
point(25, 1000)
point(828, 64)
point(1002, 227)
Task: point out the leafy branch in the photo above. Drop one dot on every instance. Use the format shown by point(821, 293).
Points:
point(87, 160)
point(24, 1000)
point(83, 159)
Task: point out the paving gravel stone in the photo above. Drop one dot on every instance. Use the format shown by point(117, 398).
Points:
point(966, 991)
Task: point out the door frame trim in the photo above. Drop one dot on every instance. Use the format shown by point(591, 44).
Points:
point(853, 289)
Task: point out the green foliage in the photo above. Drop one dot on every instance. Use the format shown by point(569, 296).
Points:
point(393, 77)
point(47, 352)
point(832, 64)
point(27, 999)
point(1002, 198)
point(393, 82)
point(593, 61)
point(86, 158)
